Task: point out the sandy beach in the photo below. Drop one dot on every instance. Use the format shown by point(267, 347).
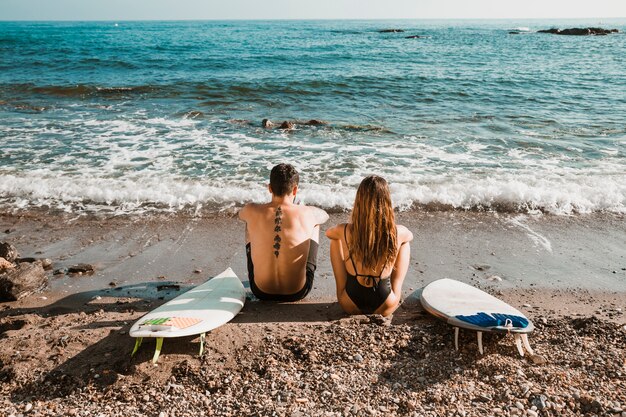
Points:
point(66, 351)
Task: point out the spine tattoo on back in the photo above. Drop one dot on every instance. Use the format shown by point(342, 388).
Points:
point(278, 220)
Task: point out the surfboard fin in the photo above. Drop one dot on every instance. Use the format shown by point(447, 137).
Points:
point(456, 338)
point(480, 342)
point(518, 343)
point(202, 343)
point(137, 345)
point(527, 344)
point(157, 350)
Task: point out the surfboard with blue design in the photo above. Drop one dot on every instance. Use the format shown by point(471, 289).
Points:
point(464, 306)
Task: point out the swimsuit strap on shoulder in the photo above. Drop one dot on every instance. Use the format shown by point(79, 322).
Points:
point(345, 237)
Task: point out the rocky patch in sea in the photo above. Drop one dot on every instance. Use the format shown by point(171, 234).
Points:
point(580, 31)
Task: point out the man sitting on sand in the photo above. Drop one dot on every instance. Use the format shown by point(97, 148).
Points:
point(282, 240)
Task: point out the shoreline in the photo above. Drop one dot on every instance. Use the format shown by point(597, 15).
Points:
point(66, 351)
point(491, 250)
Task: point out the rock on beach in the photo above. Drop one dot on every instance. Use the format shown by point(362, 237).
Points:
point(81, 269)
point(21, 281)
point(8, 251)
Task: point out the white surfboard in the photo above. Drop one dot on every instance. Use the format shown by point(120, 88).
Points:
point(199, 310)
point(464, 306)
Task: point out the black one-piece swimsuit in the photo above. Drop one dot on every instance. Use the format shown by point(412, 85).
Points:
point(366, 298)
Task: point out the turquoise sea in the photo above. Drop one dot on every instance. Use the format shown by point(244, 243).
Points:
point(131, 117)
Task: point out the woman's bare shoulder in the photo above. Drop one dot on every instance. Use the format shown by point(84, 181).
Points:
point(335, 232)
point(404, 234)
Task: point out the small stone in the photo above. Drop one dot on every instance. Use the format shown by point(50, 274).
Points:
point(8, 251)
point(519, 405)
point(527, 306)
point(4, 264)
point(357, 357)
point(81, 269)
point(538, 360)
point(531, 413)
point(28, 407)
point(538, 401)
point(197, 271)
point(46, 263)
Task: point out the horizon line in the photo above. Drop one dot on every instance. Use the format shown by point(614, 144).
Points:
point(309, 19)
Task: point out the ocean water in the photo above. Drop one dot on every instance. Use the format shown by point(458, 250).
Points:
point(132, 117)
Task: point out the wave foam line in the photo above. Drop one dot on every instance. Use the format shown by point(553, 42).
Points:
point(606, 194)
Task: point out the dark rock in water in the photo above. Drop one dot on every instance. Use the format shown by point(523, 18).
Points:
point(266, 123)
point(391, 31)
point(21, 281)
point(81, 269)
point(514, 33)
point(314, 122)
point(61, 271)
point(8, 251)
point(579, 31)
point(553, 31)
point(286, 125)
point(412, 37)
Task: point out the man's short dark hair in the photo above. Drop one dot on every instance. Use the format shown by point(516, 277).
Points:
point(283, 178)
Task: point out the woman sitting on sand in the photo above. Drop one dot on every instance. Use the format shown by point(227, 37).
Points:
point(370, 255)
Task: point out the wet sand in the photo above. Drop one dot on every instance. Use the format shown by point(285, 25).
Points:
point(65, 351)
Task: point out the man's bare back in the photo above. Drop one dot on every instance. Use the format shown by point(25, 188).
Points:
point(281, 239)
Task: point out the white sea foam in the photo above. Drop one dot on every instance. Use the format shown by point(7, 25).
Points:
point(139, 163)
point(125, 195)
point(537, 238)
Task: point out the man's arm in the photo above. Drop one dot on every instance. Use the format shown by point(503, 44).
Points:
point(244, 212)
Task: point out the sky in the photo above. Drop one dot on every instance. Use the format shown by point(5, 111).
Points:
point(306, 9)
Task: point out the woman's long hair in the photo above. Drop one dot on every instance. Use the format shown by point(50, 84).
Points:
point(374, 234)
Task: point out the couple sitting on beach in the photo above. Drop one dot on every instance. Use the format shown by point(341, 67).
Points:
point(370, 255)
